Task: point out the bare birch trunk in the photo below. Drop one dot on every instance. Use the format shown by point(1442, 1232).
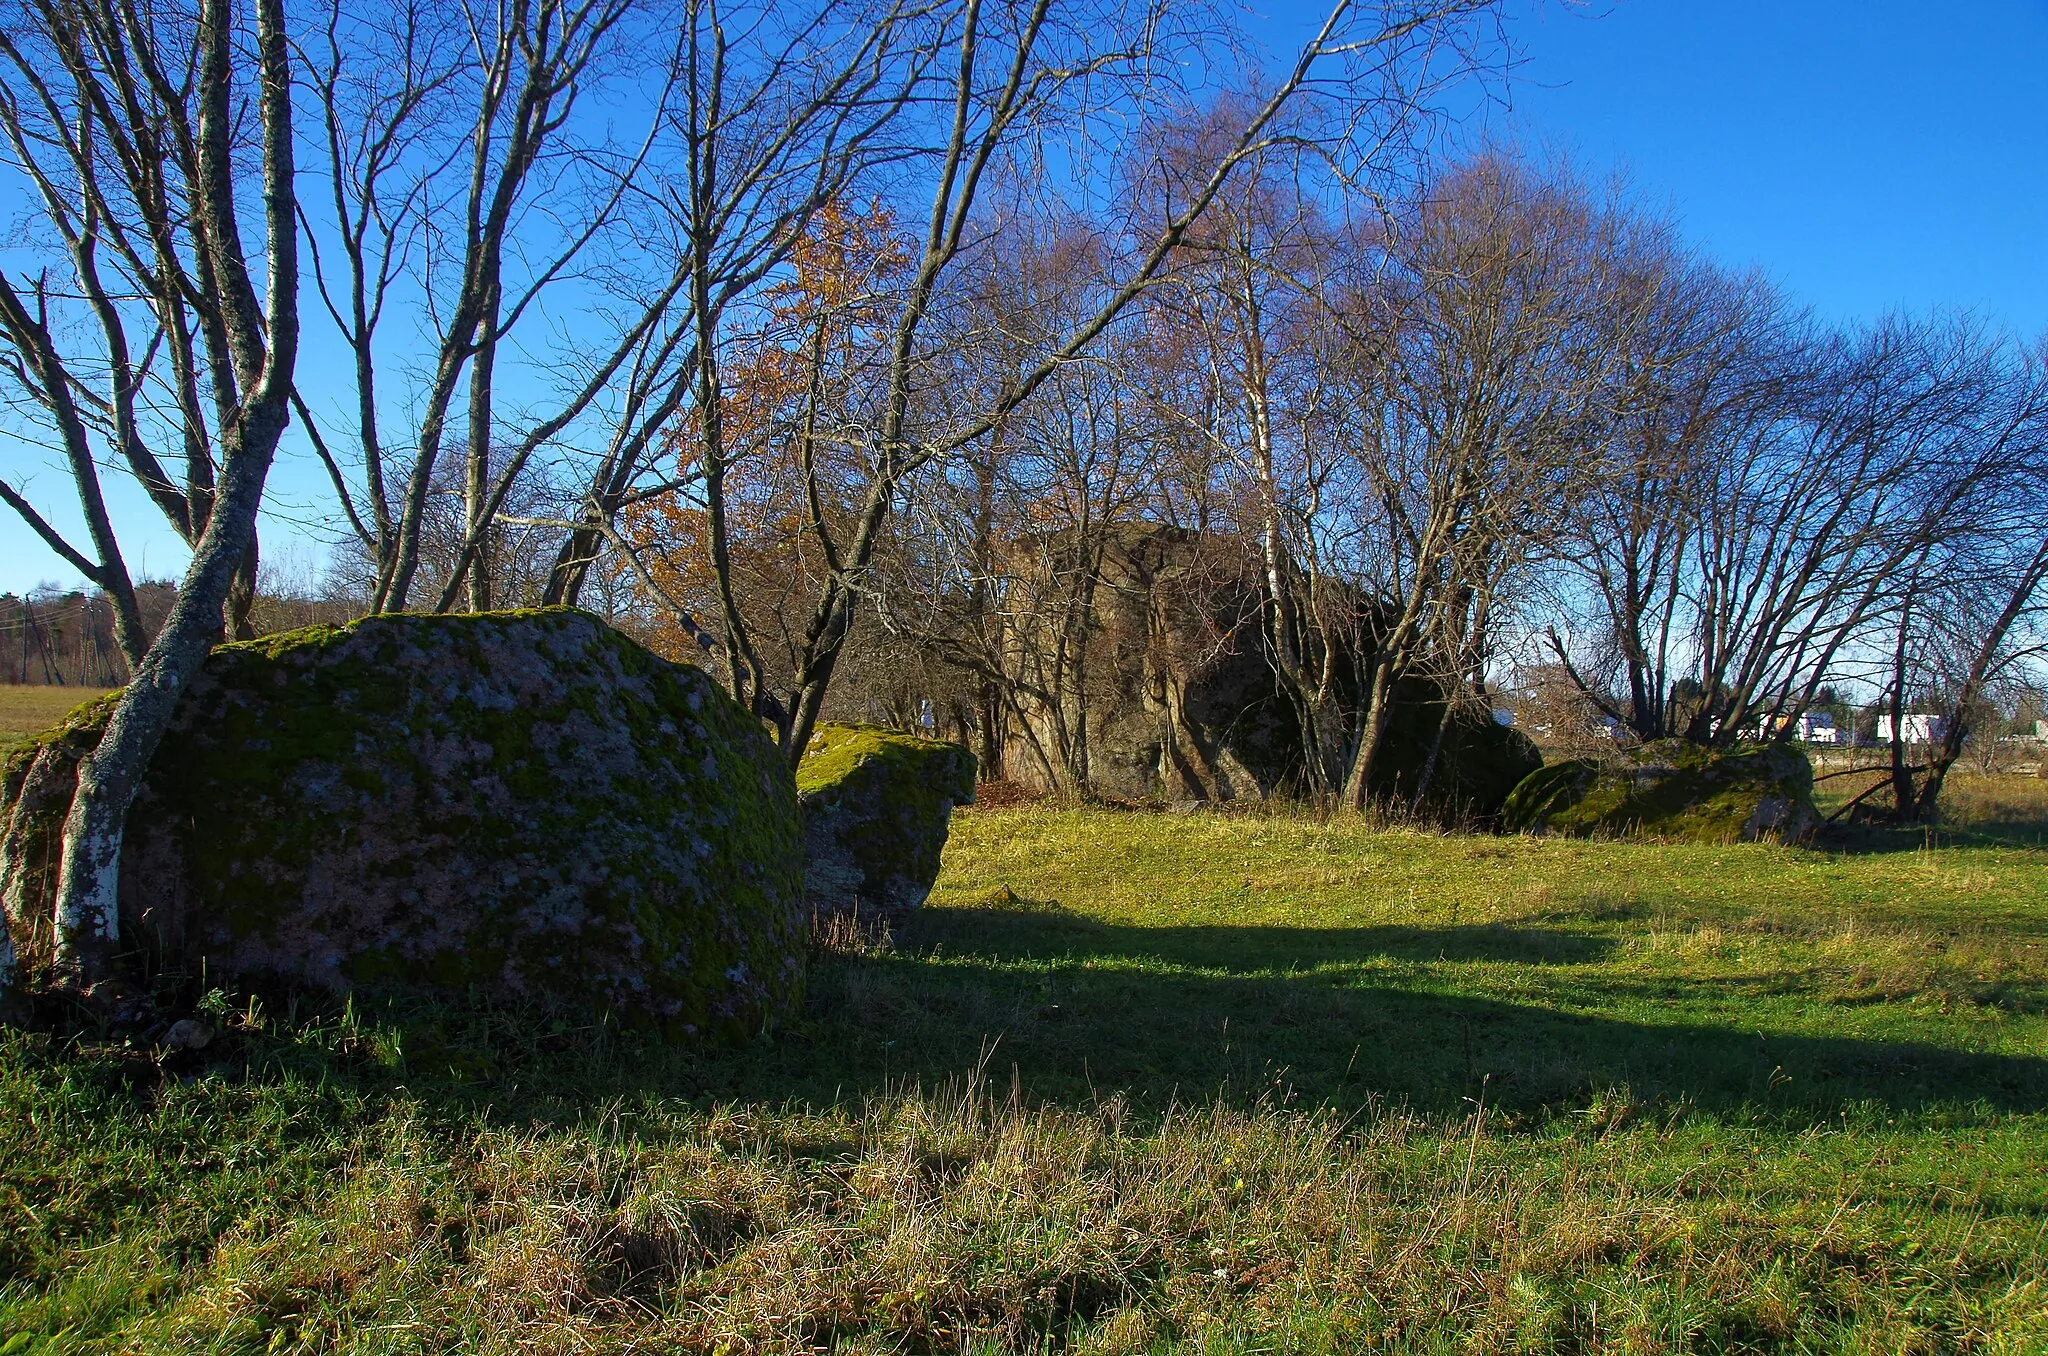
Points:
point(1436, 746)
point(87, 915)
point(1369, 731)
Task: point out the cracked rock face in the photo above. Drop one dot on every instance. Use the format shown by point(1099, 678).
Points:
point(877, 806)
point(528, 805)
point(1673, 790)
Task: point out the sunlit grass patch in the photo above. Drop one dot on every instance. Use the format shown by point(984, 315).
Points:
point(1132, 1083)
point(28, 710)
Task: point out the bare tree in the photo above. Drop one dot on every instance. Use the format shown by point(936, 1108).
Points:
point(1479, 362)
point(1820, 508)
point(476, 196)
point(1258, 284)
point(104, 136)
point(1078, 475)
point(250, 329)
point(1701, 361)
point(1967, 600)
point(1761, 523)
point(1016, 73)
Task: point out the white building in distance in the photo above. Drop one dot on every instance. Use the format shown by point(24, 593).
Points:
point(1814, 727)
point(1914, 729)
point(1818, 727)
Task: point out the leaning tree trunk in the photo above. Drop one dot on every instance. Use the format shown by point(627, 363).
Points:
point(1436, 748)
point(242, 594)
point(1371, 730)
point(87, 917)
point(263, 339)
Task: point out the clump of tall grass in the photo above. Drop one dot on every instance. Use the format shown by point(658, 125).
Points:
point(958, 1219)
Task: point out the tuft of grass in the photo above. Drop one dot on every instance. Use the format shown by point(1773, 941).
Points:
point(1130, 1083)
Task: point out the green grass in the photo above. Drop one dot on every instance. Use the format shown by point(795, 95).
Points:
point(1137, 1082)
point(28, 710)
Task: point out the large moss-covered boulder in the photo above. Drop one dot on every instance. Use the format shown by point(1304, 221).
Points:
point(876, 807)
point(1184, 701)
point(527, 805)
point(1673, 790)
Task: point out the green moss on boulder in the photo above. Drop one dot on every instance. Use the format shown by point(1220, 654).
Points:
point(1673, 790)
point(1554, 786)
point(529, 805)
point(877, 804)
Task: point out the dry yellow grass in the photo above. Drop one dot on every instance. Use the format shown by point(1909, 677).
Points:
point(1971, 799)
point(26, 711)
point(962, 1222)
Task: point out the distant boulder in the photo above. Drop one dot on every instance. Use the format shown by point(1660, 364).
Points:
point(1479, 761)
point(1554, 787)
point(877, 805)
point(1182, 700)
point(1673, 790)
point(528, 805)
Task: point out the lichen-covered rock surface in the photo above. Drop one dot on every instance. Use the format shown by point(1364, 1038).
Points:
point(876, 808)
point(1673, 790)
point(528, 805)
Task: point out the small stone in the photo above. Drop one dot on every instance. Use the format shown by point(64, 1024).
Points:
point(189, 1034)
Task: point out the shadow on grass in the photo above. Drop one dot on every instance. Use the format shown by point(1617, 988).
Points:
point(2021, 833)
point(1067, 1010)
point(1033, 930)
point(1866, 839)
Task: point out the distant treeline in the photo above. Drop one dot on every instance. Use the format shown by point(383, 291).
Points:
point(66, 638)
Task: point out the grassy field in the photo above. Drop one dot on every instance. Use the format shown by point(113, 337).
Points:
point(1137, 1082)
point(29, 710)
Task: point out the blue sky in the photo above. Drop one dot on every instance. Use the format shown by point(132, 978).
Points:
point(1867, 156)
